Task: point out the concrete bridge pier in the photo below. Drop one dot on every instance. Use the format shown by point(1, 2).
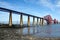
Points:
point(41, 21)
point(37, 21)
point(28, 20)
point(33, 25)
point(10, 19)
point(21, 20)
point(28, 24)
point(33, 21)
point(37, 24)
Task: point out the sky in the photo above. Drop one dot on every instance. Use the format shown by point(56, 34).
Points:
point(39, 8)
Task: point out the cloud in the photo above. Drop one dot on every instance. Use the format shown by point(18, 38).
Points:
point(8, 5)
point(49, 4)
point(46, 13)
point(5, 4)
point(30, 1)
point(46, 3)
point(58, 3)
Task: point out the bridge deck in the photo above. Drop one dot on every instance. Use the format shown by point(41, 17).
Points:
point(16, 12)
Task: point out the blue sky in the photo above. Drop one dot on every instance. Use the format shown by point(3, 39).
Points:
point(39, 8)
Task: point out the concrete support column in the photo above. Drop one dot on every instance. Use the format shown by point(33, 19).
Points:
point(37, 21)
point(10, 19)
point(28, 20)
point(37, 24)
point(42, 21)
point(33, 21)
point(21, 20)
point(33, 25)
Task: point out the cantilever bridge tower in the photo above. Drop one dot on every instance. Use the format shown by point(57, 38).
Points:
point(48, 18)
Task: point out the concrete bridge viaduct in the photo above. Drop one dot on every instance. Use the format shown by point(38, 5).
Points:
point(21, 17)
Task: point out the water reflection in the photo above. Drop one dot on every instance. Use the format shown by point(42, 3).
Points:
point(43, 31)
point(28, 30)
point(49, 30)
point(34, 30)
point(21, 31)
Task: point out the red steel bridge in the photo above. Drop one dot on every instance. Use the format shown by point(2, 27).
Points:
point(48, 18)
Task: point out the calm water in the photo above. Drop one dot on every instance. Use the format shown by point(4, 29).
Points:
point(42, 31)
point(37, 31)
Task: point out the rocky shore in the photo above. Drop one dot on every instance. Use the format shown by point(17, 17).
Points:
point(15, 34)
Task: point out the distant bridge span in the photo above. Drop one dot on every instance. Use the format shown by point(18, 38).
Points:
point(49, 19)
